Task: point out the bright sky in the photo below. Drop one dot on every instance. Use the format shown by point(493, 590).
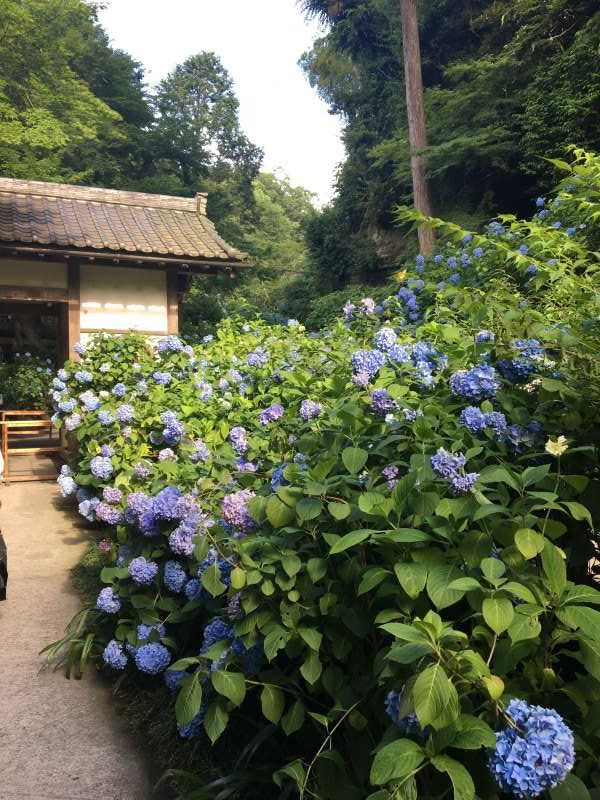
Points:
point(259, 43)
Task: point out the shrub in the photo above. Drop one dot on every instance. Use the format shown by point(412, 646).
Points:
point(376, 537)
point(25, 382)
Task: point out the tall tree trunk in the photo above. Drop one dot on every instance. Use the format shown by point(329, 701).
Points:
point(417, 131)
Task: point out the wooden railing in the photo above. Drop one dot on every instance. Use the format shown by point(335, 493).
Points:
point(25, 424)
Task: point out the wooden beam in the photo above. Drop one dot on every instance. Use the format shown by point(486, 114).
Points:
point(74, 311)
point(172, 302)
point(33, 294)
point(123, 331)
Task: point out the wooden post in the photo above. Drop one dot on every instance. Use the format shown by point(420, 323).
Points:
point(74, 302)
point(415, 107)
point(172, 301)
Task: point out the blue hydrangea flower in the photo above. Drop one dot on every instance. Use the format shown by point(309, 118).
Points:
point(169, 344)
point(107, 451)
point(105, 417)
point(67, 406)
point(477, 383)
point(72, 422)
point(83, 376)
point(447, 465)
point(497, 422)
point(193, 729)
point(174, 577)
point(114, 655)
point(482, 337)
point(258, 358)
point(173, 678)
point(144, 631)
point(162, 378)
point(174, 429)
point(152, 658)
point(119, 390)
point(108, 601)
point(101, 467)
point(216, 631)
point(142, 571)
point(367, 362)
point(463, 483)
point(167, 504)
point(309, 409)
point(277, 478)
point(536, 755)
point(473, 419)
point(89, 401)
point(384, 339)
point(408, 725)
point(124, 413)
point(67, 485)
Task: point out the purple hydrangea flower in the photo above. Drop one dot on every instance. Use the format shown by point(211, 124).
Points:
point(169, 344)
point(124, 413)
point(174, 576)
point(235, 510)
point(114, 655)
point(390, 475)
point(105, 417)
point(367, 362)
point(447, 465)
point(271, 414)
point(108, 601)
point(237, 437)
point(119, 390)
point(101, 467)
point(142, 571)
point(112, 495)
point(167, 455)
point(309, 409)
point(476, 383)
point(109, 514)
point(462, 483)
point(163, 378)
point(381, 402)
point(200, 452)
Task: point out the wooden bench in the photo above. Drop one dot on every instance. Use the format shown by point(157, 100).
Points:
point(19, 424)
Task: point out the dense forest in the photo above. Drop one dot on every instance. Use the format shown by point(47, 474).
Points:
point(507, 83)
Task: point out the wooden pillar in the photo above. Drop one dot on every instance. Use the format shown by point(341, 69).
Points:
point(172, 301)
point(73, 306)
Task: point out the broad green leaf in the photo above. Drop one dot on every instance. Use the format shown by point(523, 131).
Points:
point(350, 540)
point(354, 459)
point(412, 577)
point(519, 590)
point(498, 612)
point(238, 578)
point(370, 502)
point(311, 668)
point(533, 475)
point(497, 474)
point(189, 699)
point(590, 653)
point(524, 627)
point(272, 701)
point(316, 568)
point(431, 694)
point(582, 618)
point(572, 788)
point(312, 637)
point(296, 771)
point(308, 509)
point(529, 542)
point(554, 568)
point(291, 563)
point(495, 686)
point(278, 513)
point(402, 490)
point(579, 512)
point(395, 761)
point(231, 685)
point(370, 579)
point(275, 641)
point(465, 584)
point(405, 536)
point(462, 782)
point(211, 580)
point(582, 594)
point(339, 510)
point(293, 719)
point(493, 568)
point(405, 632)
point(409, 652)
point(439, 579)
point(474, 733)
point(215, 720)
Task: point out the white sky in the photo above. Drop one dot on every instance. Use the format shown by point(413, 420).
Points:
point(259, 43)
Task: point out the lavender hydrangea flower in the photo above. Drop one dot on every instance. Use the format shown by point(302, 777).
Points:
point(258, 358)
point(105, 417)
point(237, 437)
point(152, 658)
point(101, 467)
point(142, 571)
point(72, 422)
point(169, 344)
point(463, 483)
point(446, 464)
point(536, 755)
point(119, 390)
point(348, 310)
point(107, 451)
point(124, 413)
point(167, 455)
point(142, 470)
point(200, 452)
point(162, 378)
point(235, 510)
point(114, 655)
point(83, 376)
point(67, 485)
point(390, 475)
point(174, 577)
point(108, 601)
point(109, 514)
point(381, 402)
point(309, 409)
point(112, 495)
point(271, 414)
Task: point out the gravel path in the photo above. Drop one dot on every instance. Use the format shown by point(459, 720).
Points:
point(59, 739)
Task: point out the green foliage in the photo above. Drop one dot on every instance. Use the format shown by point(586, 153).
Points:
point(504, 82)
point(350, 583)
point(26, 383)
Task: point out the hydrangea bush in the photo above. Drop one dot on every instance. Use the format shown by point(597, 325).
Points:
point(375, 539)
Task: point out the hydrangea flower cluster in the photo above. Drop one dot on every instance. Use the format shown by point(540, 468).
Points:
point(152, 658)
point(528, 359)
point(174, 576)
point(124, 413)
point(114, 655)
point(536, 754)
point(142, 571)
point(169, 344)
point(381, 402)
point(101, 467)
point(367, 362)
point(384, 339)
point(237, 437)
point(451, 466)
point(409, 725)
point(476, 421)
point(477, 383)
point(174, 429)
point(108, 601)
point(309, 409)
point(235, 510)
point(271, 414)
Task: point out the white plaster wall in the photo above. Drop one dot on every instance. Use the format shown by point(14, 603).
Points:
point(123, 298)
point(39, 273)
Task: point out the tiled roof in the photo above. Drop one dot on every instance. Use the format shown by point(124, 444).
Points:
point(85, 218)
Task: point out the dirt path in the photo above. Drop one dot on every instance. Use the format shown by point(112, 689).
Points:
point(59, 739)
